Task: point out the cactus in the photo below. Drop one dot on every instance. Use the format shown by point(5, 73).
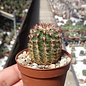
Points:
point(45, 44)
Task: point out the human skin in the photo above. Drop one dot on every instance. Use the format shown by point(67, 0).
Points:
point(10, 76)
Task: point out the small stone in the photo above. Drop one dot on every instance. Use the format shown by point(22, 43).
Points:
point(28, 58)
point(5, 58)
point(46, 66)
point(34, 67)
point(12, 42)
point(57, 64)
point(28, 66)
point(41, 66)
point(24, 54)
point(63, 62)
point(34, 64)
point(62, 57)
point(22, 61)
point(52, 66)
point(27, 53)
point(3, 63)
point(74, 24)
point(20, 56)
point(68, 60)
point(1, 68)
point(0, 42)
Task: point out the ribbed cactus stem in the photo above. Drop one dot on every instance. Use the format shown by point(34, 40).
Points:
point(45, 44)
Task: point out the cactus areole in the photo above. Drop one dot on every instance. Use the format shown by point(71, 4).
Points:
point(45, 44)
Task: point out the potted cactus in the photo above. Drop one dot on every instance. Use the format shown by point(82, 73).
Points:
point(77, 37)
point(84, 31)
point(76, 44)
point(82, 38)
point(72, 49)
point(70, 44)
point(74, 61)
point(84, 61)
point(44, 62)
point(76, 29)
point(84, 72)
point(71, 29)
point(67, 34)
point(82, 44)
point(81, 53)
point(71, 36)
point(73, 54)
point(64, 28)
point(85, 46)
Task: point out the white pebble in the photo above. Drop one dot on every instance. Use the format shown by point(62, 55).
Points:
point(46, 66)
point(22, 61)
point(24, 54)
point(34, 67)
point(5, 58)
point(74, 24)
point(52, 66)
point(20, 56)
point(12, 42)
point(68, 60)
point(0, 42)
point(28, 58)
point(1, 68)
point(57, 65)
point(41, 66)
point(3, 63)
point(34, 64)
point(63, 62)
point(28, 66)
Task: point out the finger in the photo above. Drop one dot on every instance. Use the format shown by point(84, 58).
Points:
point(9, 76)
point(20, 83)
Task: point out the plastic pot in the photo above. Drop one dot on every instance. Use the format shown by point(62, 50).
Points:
point(43, 77)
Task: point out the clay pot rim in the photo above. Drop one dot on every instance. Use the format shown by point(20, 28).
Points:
point(43, 69)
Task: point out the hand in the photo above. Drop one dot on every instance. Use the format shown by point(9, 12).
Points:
point(10, 76)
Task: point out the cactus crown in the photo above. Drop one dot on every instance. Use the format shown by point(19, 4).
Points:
point(45, 44)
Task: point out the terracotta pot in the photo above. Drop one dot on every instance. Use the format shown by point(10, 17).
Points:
point(76, 31)
point(84, 62)
point(84, 74)
point(43, 77)
point(84, 32)
point(81, 32)
point(76, 38)
point(71, 38)
point(66, 36)
point(81, 40)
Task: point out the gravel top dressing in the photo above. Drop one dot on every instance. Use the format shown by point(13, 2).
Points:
point(25, 60)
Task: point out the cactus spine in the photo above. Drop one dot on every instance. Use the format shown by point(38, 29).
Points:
point(45, 44)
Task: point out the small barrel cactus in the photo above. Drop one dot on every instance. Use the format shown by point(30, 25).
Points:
point(45, 44)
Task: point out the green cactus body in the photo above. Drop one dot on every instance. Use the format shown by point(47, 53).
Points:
point(45, 44)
